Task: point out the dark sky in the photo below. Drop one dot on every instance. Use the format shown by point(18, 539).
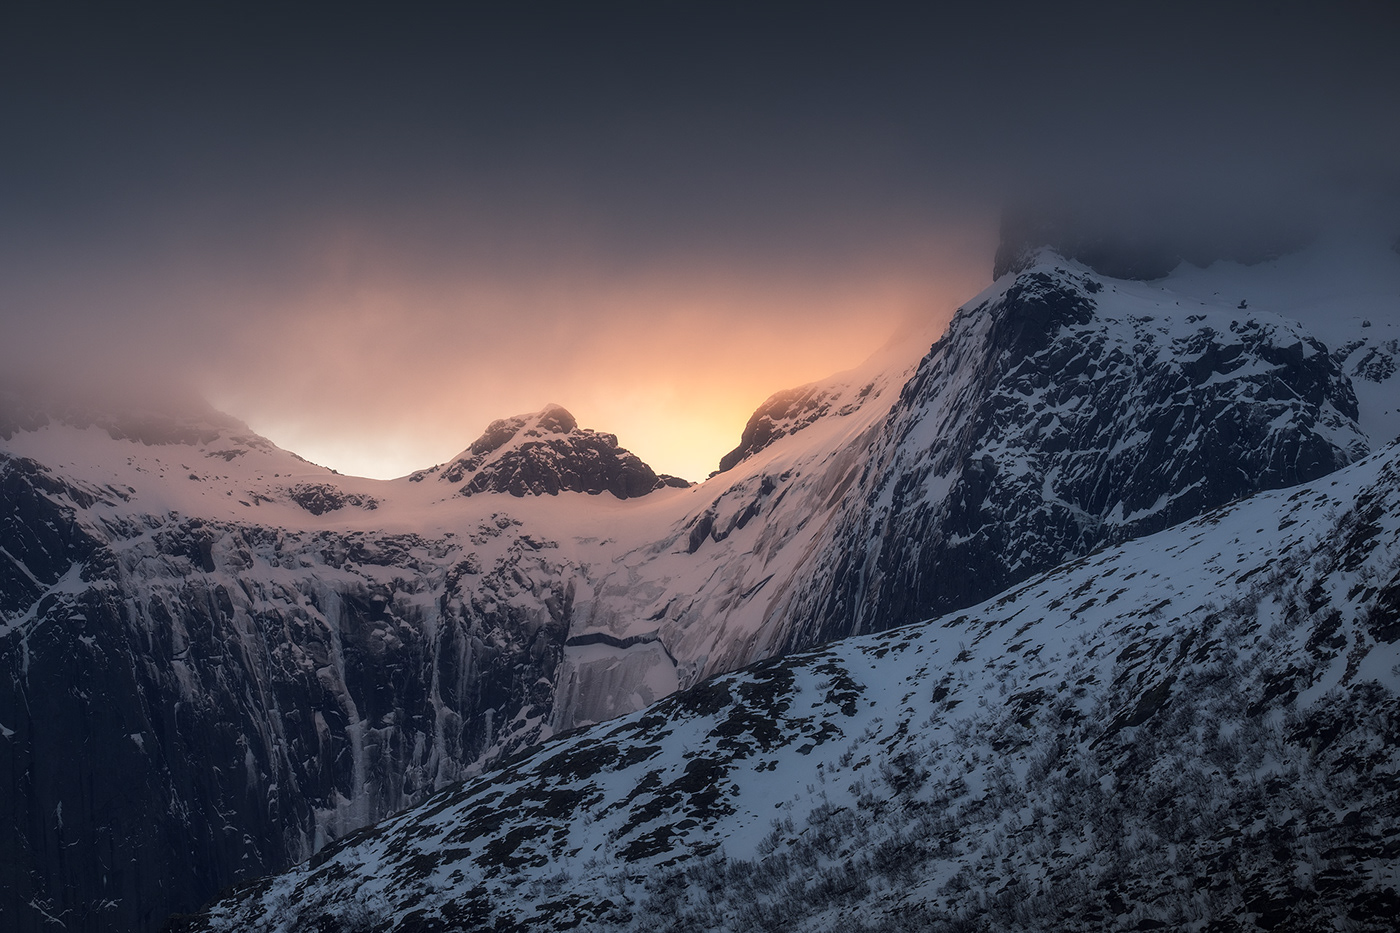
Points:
point(351, 227)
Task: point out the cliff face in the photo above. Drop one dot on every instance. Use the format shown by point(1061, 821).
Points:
point(217, 658)
point(192, 702)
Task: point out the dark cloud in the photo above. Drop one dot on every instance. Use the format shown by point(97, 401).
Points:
point(178, 181)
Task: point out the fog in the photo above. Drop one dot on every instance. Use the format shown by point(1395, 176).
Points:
point(370, 235)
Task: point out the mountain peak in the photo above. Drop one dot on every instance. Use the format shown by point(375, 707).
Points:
point(546, 453)
point(552, 419)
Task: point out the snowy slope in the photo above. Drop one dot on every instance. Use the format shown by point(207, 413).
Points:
point(1193, 730)
point(704, 586)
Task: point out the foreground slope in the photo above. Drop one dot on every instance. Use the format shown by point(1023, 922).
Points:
point(1196, 730)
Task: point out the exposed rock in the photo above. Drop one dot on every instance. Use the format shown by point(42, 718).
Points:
point(546, 453)
point(1372, 362)
point(1043, 426)
point(585, 461)
point(320, 498)
point(782, 414)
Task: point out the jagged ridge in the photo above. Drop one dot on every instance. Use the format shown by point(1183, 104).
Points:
point(1060, 414)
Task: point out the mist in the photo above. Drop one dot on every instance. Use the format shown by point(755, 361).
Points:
point(370, 235)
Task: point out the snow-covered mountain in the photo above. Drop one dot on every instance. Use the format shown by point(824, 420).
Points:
point(546, 453)
point(1061, 411)
point(218, 657)
point(1195, 730)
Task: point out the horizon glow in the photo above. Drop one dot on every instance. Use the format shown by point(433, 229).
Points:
point(381, 380)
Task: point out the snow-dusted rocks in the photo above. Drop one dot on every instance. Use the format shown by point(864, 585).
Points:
point(1195, 730)
point(790, 411)
point(1061, 412)
point(218, 657)
point(547, 453)
point(320, 498)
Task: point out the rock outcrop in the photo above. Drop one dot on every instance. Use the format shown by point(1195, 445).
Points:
point(547, 453)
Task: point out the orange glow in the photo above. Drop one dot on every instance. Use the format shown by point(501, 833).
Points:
point(374, 372)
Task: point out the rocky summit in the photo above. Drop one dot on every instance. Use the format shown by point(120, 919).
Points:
point(546, 453)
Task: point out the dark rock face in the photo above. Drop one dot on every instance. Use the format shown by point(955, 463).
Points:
point(1037, 430)
point(39, 538)
point(547, 453)
point(1372, 362)
point(197, 703)
point(584, 461)
point(320, 498)
point(782, 414)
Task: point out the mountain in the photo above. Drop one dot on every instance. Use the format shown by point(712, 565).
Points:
point(1060, 412)
point(1094, 414)
point(1194, 730)
point(546, 453)
point(219, 659)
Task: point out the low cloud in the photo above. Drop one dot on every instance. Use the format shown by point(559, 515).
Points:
point(374, 235)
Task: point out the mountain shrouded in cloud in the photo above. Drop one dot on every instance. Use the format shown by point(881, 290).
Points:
point(371, 234)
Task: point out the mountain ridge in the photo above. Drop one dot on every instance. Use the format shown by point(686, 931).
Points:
point(339, 648)
point(546, 453)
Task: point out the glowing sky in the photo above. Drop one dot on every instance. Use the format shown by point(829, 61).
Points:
point(670, 360)
point(369, 234)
